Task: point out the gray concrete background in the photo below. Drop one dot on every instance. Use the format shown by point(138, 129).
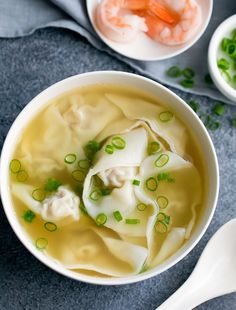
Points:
point(27, 66)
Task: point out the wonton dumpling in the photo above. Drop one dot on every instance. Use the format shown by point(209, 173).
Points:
point(60, 205)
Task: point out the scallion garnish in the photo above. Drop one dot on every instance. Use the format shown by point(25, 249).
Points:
point(223, 64)
point(141, 207)
point(231, 50)
point(219, 109)
point(132, 221)
point(153, 147)
point(28, 216)
point(187, 83)
point(162, 202)
point(233, 122)
point(173, 72)
point(117, 215)
point(92, 148)
point(209, 122)
point(39, 194)
point(50, 226)
point(225, 42)
point(41, 243)
point(166, 116)
point(95, 195)
point(136, 182)
point(162, 160)
point(226, 76)
point(84, 164)
point(15, 165)
point(78, 175)
point(52, 185)
point(160, 227)
point(70, 158)
point(151, 184)
point(161, 216)
point(82, 208)
point(164, 176)
point(193, 104)
point(101, 219)
point(188, 73)
point(109, 149)
point(118, 143)
point(22, 176)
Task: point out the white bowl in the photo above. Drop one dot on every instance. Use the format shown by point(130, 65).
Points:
point(223, 30)
point(144, 48)
point(119, 78)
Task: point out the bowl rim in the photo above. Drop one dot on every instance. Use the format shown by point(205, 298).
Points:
point(182, 49)
point(213, 48)
point(49, 262)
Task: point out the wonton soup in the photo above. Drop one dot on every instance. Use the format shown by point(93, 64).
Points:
point(107, 181)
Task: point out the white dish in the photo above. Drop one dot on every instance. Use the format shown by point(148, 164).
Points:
point(143, 48)
point(223, 30)
point(119, 78)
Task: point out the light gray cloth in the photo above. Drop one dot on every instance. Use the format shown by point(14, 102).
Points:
point(23, 17)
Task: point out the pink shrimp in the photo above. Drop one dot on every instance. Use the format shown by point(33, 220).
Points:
point(117, 20)
point(182, 30)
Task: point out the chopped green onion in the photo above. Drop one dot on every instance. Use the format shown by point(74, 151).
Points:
point(234, 79)
point(219, 109)
point(41, 243)
point(233, 122)
point(193, 104)
point(188, 73)
point(161, 216)
point(223, 64)
point(226, 76)
point(39, 194)
point(50, 226)
point(160, 227)
point(92, 148)
point(15, 165)
point(117, 215)
point(28, 216)
point(136, 182)
point(52, 185)
point(153, 147)
point(84, 164)
point(109, 149)
point(167, 219)
point(70, 158)
point(22, 176)
point(224, 43)
point(141, 207)
point(78, 175)
point(163, 176)
point(105, 191)
point(187, 83)
point(162, 160)
point(95, 195)
point(132, 221)
point(151, 184)
point(231, 50)
point(208, 79)
point(101, 219)
point(166, 116)
point(209, 122)
point(118, 143)
point(162, 202)
point(173, 72)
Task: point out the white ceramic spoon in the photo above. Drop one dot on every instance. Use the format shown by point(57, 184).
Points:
point(214, 274)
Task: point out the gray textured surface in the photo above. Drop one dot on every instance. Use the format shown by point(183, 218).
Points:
point(29, 65)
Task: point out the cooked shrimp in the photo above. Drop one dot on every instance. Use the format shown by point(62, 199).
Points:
point(117, 22)
point(184, 27)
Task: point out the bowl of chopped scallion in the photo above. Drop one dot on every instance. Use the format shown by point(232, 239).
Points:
point(222, 58)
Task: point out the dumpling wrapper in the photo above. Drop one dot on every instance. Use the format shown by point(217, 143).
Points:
point(95, 251)
point(173, 132)
point(123, 198)
point(61, 205)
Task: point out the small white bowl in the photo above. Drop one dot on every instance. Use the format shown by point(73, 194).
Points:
point(223, 30)
point(125, 79)
point(144, 48)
